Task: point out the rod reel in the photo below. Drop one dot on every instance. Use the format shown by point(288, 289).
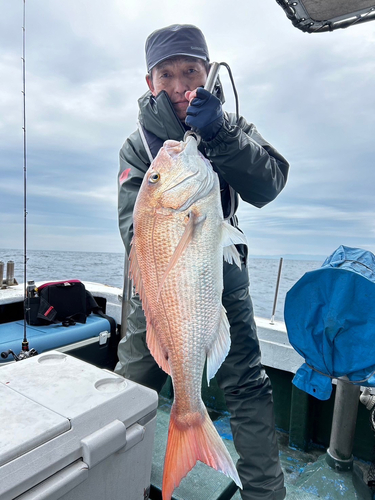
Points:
point(24, 354)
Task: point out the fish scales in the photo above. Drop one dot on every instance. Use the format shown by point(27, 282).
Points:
point(190, 307)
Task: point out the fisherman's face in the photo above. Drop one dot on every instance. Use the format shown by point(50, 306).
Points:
point(176, 76)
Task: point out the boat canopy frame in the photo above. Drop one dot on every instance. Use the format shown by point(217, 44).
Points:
point(313, 16)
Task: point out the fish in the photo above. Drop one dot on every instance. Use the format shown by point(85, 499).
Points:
point(176, 264)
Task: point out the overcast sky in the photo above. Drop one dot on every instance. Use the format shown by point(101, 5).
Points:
point(311, 96)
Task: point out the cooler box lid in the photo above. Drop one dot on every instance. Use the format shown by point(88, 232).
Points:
point(25, 424)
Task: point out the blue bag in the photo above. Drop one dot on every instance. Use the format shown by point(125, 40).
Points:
point(330, 319)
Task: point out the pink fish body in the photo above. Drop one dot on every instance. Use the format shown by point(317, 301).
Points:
point(176, 263)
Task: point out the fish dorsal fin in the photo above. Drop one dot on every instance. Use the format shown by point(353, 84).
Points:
point(231, 236)
point(186, 238)
point(220, 347)
point(135, 273)
point(151, 339)
point(156, 350)
point(136, 277)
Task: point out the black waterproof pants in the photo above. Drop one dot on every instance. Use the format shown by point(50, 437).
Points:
point(245, 384)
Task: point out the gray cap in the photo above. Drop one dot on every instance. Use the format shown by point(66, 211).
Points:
point(175, 40)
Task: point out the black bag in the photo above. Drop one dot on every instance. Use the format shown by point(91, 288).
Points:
point(62, 301)
point(65, 302)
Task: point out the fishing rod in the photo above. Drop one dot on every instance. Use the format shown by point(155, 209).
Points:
point(211, 82)
point(28, 289)
point(25, 345)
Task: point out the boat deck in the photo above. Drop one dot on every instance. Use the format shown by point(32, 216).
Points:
point(307, 475)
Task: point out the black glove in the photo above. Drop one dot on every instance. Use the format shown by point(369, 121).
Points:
point(205, 115)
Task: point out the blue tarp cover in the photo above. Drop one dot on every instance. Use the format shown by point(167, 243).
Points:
point(330, 319)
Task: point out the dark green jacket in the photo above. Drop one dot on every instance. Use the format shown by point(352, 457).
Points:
point(245, 162)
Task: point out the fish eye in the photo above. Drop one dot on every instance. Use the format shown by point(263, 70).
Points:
point(154, 178)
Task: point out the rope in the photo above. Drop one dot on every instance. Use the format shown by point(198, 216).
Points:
point(346, 381)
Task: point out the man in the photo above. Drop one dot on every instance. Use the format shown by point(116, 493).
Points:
point(178, 63)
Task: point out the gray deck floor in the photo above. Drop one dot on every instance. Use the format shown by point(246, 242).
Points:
point(307, 476)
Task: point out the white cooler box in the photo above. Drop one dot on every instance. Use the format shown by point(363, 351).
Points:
point(71, 431)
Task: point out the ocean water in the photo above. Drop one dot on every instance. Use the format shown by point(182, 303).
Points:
point(107, 268)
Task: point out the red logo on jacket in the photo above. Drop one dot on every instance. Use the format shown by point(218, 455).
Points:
point(124, 176)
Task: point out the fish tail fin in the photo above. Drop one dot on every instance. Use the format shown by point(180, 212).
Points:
point(191, 440)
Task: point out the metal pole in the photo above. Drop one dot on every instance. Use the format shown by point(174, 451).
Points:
point(126, 295)
point(339, 454)
point(1, 273)
point(276, 291)
point(10, 273)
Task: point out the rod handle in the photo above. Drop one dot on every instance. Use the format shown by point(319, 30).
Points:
point(212, 77)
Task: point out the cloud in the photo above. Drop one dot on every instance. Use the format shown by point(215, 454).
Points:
point(310, 96)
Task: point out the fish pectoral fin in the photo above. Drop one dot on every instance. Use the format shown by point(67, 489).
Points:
point(231, 255)
point(231, 236)
point(156, 350)
point(186, 238)
point(220, 347)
